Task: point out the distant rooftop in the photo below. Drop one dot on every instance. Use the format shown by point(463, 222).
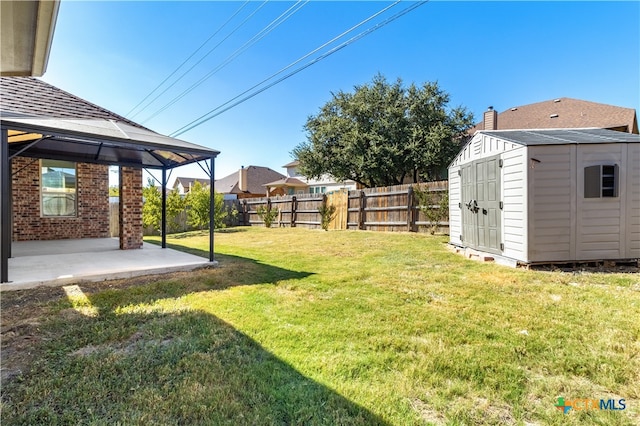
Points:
point(564, 113)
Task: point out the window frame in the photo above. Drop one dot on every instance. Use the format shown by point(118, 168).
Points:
point(64, 165)
point(601, 183)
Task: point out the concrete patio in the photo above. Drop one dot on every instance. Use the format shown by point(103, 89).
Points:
point(62, 262)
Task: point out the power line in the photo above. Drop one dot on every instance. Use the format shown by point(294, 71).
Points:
point(257, 37)
point(207, 54)
point(295, 62)
point(190, 56)
point(217, 111)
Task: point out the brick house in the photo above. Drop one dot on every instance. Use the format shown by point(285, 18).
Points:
point(56, 152)
point(561, 113)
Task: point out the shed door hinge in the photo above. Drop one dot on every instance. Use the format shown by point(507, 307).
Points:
point(500, 162)
point(459, 205)
point(501, 246)
point(459, 172)
point(501, 205)
point(461, 239)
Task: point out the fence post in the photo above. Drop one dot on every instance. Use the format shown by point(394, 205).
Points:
point(410, 210)
point(245, 213)
point(294, 206)
point(362, 213)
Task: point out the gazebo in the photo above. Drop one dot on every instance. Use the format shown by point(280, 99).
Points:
point(94, 141)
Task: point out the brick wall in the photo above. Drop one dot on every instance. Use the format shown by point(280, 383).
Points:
point(92, 220)
point(130, 208)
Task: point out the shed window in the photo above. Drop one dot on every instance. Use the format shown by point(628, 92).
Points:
point(58, 188)
point(601, 181)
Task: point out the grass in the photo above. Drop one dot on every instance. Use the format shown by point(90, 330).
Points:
point(309, 327)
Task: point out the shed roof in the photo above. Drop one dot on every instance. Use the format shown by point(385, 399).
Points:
point(563, 136)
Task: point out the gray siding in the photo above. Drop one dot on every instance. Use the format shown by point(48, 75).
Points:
point(633, 201)
point(514, 212)
point(551, 171)
point(455, 217)
point(600, 221)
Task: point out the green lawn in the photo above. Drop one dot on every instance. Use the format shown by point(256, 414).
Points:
point(309, 327)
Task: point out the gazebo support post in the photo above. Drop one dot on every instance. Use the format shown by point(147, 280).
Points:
point(5, 208)
point(163, 219)
point(212, 206)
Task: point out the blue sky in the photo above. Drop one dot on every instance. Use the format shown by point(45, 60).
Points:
point(502, 54)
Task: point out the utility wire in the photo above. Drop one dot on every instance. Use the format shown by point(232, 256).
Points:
point(297, 61)
point(257, 37)
point(190, 56)
point(218, 110)
point(201, 59)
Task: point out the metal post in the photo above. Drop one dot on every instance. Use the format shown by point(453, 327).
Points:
point(5, 207)
point(212, 206)
point(163, 225)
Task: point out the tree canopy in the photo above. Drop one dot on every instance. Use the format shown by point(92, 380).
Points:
point(384, 134)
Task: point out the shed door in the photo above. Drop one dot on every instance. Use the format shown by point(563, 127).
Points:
point(481, 213)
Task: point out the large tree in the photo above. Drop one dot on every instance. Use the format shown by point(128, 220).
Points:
point(383, 134)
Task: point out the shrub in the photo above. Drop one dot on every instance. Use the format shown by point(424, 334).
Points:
point(327, 214)
point(436, 211)
point(267, 215)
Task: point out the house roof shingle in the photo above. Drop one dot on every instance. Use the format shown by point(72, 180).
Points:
point(565, 113)
point(257, 176)
point(32, 96)
point(188, 182)
point(46, 122)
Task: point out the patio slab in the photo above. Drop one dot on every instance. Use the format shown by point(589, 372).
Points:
point(62, 262)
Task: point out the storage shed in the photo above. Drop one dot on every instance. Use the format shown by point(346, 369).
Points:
point(547, 196)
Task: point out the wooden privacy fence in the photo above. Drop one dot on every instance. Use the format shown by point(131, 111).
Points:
point(393, 208)
point(293, 210)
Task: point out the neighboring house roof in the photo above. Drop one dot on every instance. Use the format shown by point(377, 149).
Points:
point(563, 136)
point(189, 182)
point(565, 113)
point(290, 181)
point(257, 176)
point(31, 96)
point(294, 163)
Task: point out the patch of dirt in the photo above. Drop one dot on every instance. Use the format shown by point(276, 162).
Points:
point(124, 347)
point(23, 311)
point(606, 267)
point(427, 413)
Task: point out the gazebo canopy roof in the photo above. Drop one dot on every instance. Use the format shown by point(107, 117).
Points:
point(101, 141)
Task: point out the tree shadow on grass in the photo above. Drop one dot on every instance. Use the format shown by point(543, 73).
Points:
point(184, 367)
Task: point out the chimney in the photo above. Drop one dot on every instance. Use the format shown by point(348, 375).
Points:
point(490, 119)
point(242, 179)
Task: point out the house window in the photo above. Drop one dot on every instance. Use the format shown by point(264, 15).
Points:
point(58, 188)
point(318, 190)
point(601, 181)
